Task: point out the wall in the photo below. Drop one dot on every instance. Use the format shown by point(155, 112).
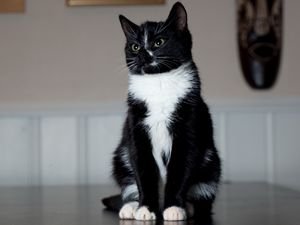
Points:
point(257, 142)
point(59, 56)
point(62, 84)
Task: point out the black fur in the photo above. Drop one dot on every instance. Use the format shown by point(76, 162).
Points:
point(194, 159)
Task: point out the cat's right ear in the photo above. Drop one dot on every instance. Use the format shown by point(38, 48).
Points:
point(129, 28)
point(178, 16)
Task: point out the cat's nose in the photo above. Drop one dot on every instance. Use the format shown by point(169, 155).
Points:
point(146, 58)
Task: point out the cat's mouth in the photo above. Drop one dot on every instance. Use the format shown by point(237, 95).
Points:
point(150, 68)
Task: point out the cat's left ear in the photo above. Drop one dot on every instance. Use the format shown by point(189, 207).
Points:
point(178, 16)
point(128, 27)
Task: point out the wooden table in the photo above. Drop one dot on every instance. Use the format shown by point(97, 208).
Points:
point(237, 204)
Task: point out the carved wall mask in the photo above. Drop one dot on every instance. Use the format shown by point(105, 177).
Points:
point(260, 40)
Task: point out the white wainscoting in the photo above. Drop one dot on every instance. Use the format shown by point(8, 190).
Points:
point(257, 142)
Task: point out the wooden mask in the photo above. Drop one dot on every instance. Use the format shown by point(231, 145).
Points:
point(260, 40)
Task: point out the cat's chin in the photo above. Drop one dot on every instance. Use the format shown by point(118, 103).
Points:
point(149, 70)
point(152, 70)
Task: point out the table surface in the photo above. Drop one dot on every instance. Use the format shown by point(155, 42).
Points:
point(237, 204)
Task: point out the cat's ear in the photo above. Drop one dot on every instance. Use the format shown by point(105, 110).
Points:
point(128, 27)
point(178, 16)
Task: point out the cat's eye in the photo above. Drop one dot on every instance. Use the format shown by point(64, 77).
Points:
point(159, 42)
point(135, 47)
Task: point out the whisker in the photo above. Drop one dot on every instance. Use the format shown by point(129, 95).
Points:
point(122, 69)
point(127, 66)
point(165, 64)
point(168, 57)
point(170, 62)
point(132, 66)
point(157, 66)
point(129, 63)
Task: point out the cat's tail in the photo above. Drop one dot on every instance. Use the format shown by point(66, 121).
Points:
point(113, 203)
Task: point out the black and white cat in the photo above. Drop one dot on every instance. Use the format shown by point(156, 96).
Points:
point(166, 159)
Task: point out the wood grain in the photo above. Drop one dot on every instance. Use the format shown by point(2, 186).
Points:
point(113, 2)
point(11, 6)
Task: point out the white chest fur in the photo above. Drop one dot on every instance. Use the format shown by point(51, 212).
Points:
point(161, 93)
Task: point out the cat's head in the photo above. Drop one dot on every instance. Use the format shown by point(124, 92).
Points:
point(158, 47)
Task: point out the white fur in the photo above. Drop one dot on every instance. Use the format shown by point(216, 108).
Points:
point(174, 213)
point(125, 158)
point(128, 210)
point(154, 63)
point(161, 93)
point(203, 190)
point(150, 52)
point(143, 213)
point(131, 189)
point(146, 38)
point(208, 156)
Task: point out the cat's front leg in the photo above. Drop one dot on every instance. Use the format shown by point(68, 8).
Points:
point(146, 175)
point(175, 197)
point(174, 209)
point(179, 171)
point(148, 204)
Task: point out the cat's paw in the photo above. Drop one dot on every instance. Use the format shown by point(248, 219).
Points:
point(174, 213)
point(128, 210)
point(143, 213)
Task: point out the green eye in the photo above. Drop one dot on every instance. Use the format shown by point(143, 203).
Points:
point(135, 47)
point(159, 42)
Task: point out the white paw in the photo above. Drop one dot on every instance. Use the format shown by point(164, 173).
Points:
point(128, 210)
point(143, 213)
point(174, 213)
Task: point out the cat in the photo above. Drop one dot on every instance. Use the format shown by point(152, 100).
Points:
point(166, 164)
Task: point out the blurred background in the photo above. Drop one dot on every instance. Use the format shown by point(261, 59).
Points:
point(63, 86)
